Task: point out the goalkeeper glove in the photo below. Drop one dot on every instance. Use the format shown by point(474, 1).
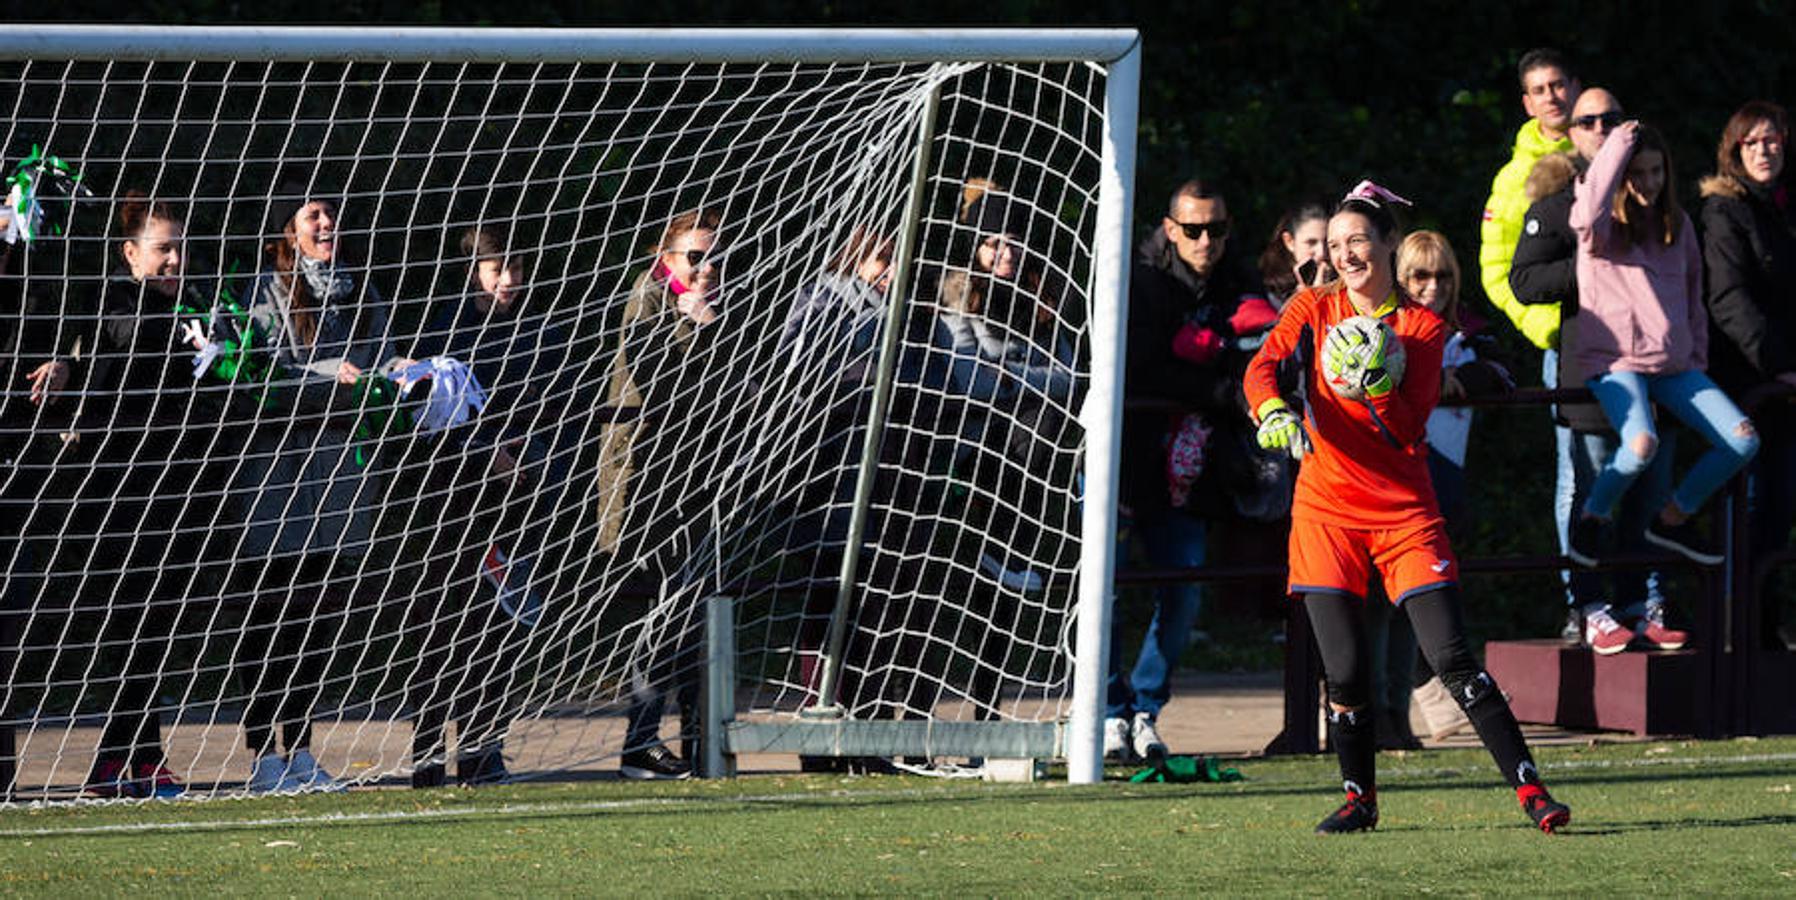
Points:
point(1356, 357)
point(1280, 429)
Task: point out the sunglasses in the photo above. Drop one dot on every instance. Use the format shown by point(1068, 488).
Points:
point(1425, 275)
point(1609, 120)
point(1217, 229)
point(696, 258)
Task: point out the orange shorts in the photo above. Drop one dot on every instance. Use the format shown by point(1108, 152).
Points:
point(1335, 560)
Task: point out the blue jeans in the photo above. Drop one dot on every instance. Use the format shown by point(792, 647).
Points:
point(1627, 399)
point(1174, 539)
point(1633, 589)
point(1565, 479)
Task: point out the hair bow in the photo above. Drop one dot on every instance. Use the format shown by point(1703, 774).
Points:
point(1372, 193)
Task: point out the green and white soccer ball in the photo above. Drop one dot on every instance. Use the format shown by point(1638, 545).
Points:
point(1355, 332)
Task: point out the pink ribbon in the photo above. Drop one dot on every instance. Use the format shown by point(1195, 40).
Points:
point(1372, 193)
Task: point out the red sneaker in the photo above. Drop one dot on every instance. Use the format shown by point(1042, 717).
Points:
point(1652, 631)
point(155, 780)
point(111, 779)
point(1605, 635)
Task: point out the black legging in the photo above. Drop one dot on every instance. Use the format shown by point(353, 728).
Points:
point(1339, 623)
point(288, 639)
point(136, 637)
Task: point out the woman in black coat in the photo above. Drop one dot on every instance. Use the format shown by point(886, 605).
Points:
point(1749, 258)
point(151, 501)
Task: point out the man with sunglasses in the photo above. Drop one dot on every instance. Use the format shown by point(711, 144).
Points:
point(1544, 276)
point(1183, 292)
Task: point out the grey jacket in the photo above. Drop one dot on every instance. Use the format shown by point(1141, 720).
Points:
point(306, 488)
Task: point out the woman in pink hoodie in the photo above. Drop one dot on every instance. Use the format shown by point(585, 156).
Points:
point(1645, 339)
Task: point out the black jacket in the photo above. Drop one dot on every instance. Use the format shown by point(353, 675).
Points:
point(157, 441)
point(520, 356)
point(1545, 270)
point(1749, 265)
point(1165, 296)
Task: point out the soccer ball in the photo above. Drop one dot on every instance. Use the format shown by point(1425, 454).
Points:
point(1366, 328)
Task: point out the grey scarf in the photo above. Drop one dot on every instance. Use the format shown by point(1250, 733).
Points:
point(329, 284)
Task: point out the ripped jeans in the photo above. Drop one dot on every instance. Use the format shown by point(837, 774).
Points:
point(1627, 399)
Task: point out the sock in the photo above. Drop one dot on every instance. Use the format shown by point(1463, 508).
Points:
point(1357, 747)
point(1502, 736)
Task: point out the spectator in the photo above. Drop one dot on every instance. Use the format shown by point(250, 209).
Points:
point(1011, 378)
point(1545, 272)
point(1364, 503)
point(669, 332)
point(1185, 294)
point(1549, 89)
point(488, 480)
point(151, 415)
point(830, 342)
point(1749, 246)
point(307, 344)
point(1646, 341)
point(1297, 255)
point(38, 359)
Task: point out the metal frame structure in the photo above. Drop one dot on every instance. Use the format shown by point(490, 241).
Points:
point(1118, 51)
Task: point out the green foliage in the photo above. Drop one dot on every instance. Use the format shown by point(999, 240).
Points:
point(1649, 819)
point(1280, 101)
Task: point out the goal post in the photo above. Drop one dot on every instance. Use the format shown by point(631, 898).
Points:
point(777, 366)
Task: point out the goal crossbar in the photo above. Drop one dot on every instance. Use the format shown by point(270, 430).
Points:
point(625, 45)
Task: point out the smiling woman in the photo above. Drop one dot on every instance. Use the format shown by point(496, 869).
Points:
point(1365, 505)
point(1749, 254)
point(311, 328)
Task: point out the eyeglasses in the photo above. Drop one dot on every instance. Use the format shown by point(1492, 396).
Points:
point(1608, 119)
point(696, 258)
point(1217, 229)
point(1426, 275)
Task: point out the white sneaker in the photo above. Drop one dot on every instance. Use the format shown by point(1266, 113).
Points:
point(1146, 739)
point(269, 776)
point(1023, 580)
point(1116, 739)
point(308, 775)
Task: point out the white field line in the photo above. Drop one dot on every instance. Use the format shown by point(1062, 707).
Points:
point(583, 806)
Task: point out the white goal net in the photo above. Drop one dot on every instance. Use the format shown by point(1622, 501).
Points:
point(381, 418)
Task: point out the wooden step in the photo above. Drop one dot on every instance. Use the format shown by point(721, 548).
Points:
point(1647, 693)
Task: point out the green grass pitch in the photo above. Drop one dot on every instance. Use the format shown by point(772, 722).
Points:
point(1682, 817)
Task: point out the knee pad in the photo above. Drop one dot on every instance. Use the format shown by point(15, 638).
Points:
point(1471, 690)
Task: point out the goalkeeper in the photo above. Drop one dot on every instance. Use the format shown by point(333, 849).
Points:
point(1364, 502)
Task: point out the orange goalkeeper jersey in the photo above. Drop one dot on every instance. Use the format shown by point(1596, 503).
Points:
point(1369, 468)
